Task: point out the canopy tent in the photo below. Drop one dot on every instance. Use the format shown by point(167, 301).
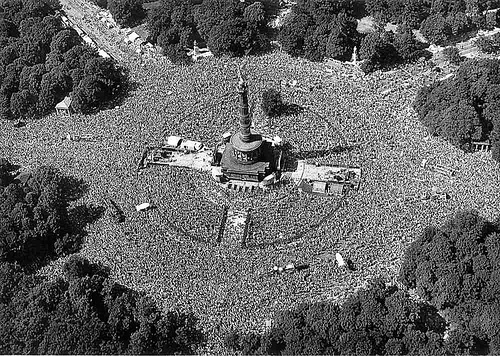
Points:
point(64, 107)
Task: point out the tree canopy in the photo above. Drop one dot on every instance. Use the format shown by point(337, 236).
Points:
point(380, 319)
point(86, 312)
point(228, 27)
point(272, 103)
point(455, 267)
point(465, 107)
point(41, 62)
point(125, 12)
point(318, 29)
point(36, 221)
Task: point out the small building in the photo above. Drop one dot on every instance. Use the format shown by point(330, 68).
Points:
point(131, 37)
point(64, 107)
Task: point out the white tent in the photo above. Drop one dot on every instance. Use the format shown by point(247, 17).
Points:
point(191, 145)
point(174, 141)
point(64, 107)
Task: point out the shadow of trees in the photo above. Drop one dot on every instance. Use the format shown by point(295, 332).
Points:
point(291, 109)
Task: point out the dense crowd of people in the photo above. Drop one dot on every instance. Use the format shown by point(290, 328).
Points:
point(171, 251)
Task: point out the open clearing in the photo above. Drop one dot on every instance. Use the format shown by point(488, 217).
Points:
point(226, 286)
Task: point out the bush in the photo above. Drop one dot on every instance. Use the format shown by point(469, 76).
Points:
point(271, 102)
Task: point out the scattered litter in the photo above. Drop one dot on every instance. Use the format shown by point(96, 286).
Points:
point(340, 260)
point(386, 91)
point(143, 206)
point(289, 267)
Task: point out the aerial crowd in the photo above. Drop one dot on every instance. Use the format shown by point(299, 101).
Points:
point(171, 251)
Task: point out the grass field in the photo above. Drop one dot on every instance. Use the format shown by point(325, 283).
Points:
point(226, 286)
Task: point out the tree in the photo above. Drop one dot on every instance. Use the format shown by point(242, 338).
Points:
point(414, 12)
point(271, 102)
point(126, 12)
point(88, 94)
point(101, 3)
point(39, 58)
point(342, 38)
point(293, 33)
point(406, 45)
point(458, 23)
point(487, 44)
point(35, 218)
point(53, 88)
point(173, 28)
point(23, 104)
point(453, 266)
point(31, 78)
point(378, 320)
point(470, 92)
point(223, 38)
point(64, 40)
point(378, 9)
point(234, 27)
point(86, 313)
point(316, 29)
point(5, 172)
point(452, 55)
point(377, 50)
point(436, 29)
point(78, 56)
